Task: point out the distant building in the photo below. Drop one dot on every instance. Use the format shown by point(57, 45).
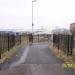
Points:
point(72, 27)
point(61, 31)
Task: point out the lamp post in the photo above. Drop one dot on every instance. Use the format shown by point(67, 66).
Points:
point(32, 14)
point(32, 18)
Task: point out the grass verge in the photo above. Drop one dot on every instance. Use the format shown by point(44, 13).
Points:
point(61, 55)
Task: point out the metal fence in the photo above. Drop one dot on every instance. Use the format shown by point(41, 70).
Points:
point(64, 43)
point(9, 40)
point(39, 38)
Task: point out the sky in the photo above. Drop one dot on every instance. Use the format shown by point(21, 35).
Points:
point(48, 14)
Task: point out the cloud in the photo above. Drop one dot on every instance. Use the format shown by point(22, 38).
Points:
point(47, 13)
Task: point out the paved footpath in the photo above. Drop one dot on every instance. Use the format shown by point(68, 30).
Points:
point(40, 54)
point(38, 69)
point(35, 59)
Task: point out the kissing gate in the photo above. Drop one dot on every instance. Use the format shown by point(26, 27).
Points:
point(31, 38)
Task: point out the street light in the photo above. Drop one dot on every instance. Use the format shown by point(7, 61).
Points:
point(32, 14)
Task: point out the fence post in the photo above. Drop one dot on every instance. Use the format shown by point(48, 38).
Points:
point(1, 45)
point(58, 40)
point(0, 54)
point(71, 44)
point(14, 40)
point(8, 41)
point(20, 39)
point(38, 37)
point(53, 40)
point(67, 45)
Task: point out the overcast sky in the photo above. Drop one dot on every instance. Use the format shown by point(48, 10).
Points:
point(48, 14)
